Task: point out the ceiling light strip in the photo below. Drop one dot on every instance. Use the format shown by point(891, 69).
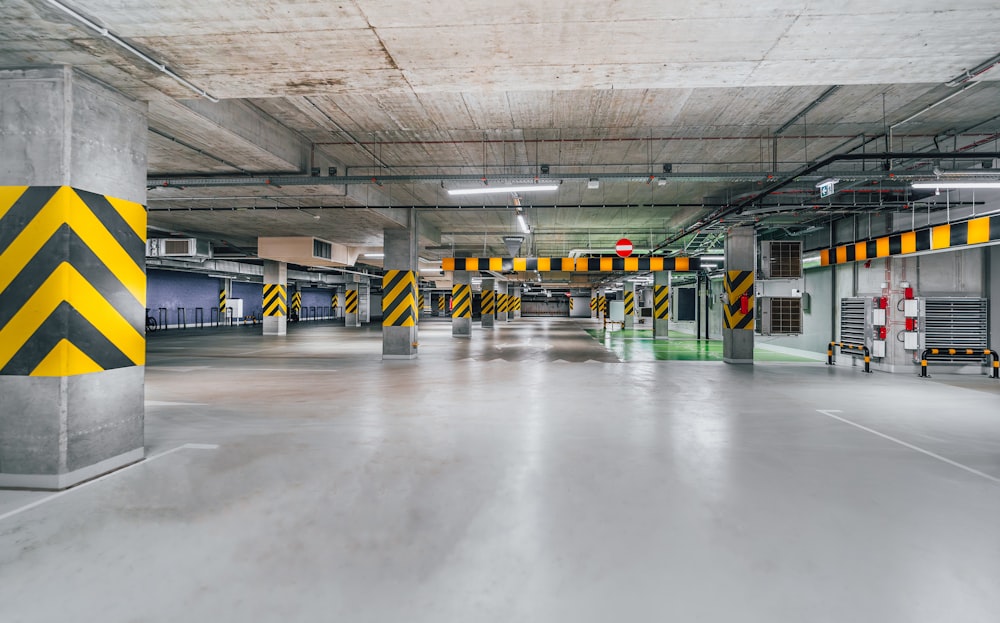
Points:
point(485, 190)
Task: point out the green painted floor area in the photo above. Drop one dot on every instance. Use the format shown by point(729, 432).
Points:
point(639, 345)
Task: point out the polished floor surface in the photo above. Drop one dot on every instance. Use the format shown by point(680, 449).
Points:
point(524, 474)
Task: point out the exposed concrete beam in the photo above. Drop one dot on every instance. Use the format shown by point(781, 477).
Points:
point(256, 141)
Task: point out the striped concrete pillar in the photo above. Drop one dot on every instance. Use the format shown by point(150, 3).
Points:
point(352, 305)
point(295, 305)
point(400, 305)
point(738, 309)
point(489, 304)
point(334, 304)
point(275, 298)
point(461, 308)
point(502, 298)
point(630, 307)
point(72, 278)
point(593, 304)
point(661, 305)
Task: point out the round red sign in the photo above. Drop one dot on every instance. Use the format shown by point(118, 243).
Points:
point(624, 247)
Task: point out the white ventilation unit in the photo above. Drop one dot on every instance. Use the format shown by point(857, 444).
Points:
point(781, 259)
point(179, 248)
point(780, 315)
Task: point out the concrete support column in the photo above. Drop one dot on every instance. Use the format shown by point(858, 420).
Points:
point(335, 300)
point(352, 305)
point(602, 304)
point(399, 294)
point(515, 307)
point(275, 307)
point(738, 322)
point(73, 283)
point(225, 290)
point(594, 300)
point(502, 304)
point(661, 305)
point(489, 307)
point(461, 304)
point(630, 305)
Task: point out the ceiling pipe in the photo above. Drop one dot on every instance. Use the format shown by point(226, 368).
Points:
point(802, 113)
point(125, 45)
point(791, 178)
point(974, 73)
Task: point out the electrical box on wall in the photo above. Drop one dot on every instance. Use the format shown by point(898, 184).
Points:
point(878, 317)
point(911, 308)
point(911, 341)
point(878, 348)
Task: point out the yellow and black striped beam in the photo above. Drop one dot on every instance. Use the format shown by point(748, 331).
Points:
point(275, 300)
point(222, 300)
point(571, 265)
point(489, 302)
point(661, 302)
point(296, 301)
point(399, 300)
point(72, 282)
point(737, 284)
point(461, 297)
point(629, 303)
point(981, 230)
point(351, 302)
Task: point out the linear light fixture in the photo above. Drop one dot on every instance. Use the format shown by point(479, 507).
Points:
point(523, 223)
point(946, 184)
point(485, 190)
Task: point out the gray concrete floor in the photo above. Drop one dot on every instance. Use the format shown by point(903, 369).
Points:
point(522, 475)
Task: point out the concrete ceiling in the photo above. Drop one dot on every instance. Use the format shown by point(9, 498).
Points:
point(426, 95)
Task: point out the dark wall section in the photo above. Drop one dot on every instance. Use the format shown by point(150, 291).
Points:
point(172, 290)
point(315, 297)
point(252, 295)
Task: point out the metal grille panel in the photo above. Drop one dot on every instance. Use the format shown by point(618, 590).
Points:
point(781, 259)
point(781, 316)
point(853, 321)
point(955, 323)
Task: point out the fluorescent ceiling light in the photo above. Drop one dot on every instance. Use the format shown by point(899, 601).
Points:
point(485, 190)
point(523, 224)
point(373, 255)
point(949, 184)
point(811, 258)
point(710, 258)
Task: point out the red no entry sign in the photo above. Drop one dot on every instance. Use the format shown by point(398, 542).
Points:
point(623, 247)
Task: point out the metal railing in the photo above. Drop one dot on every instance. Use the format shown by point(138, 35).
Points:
point(862, 349)
point(960, 352)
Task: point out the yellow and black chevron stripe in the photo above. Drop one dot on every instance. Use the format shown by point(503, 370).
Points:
point(351, 302)
point(296, 301)
point(738, 283)
point(334, 301)
point(602, 304)
point(399, 300)
point(420, 302)
point(275, 300)
point(461, 301)
point(461, 297)
point(661, 302)
point(629, 303)
point(517, 303)
point(489, 302)
point(571, 304)
point(442, 303)
point(572, 265)
point(223, 301)
point(593, 304)
point(72, 282)
point(980, 230)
